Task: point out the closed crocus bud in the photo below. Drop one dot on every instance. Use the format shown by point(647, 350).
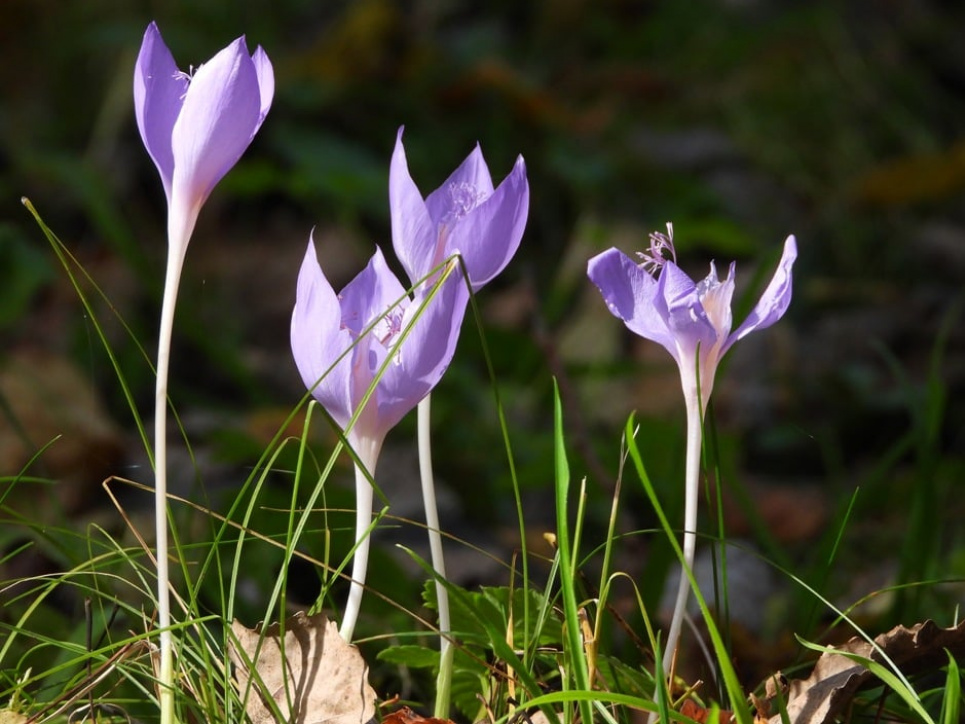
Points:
point(196, 126)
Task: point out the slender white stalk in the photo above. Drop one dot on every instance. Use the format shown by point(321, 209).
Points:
point(166, 643)
point(692, 490)
point(360, 561)
point(446, 652)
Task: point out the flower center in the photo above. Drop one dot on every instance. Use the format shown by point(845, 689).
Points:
point(715, 297)
point(187, 77)
point(388, 326)
point(463, 198)
point(660, 252)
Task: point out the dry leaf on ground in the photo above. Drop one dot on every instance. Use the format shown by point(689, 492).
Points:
point(835, 678)
point(312, 674)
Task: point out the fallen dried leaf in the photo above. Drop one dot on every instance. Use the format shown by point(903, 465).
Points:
point(836, 678)
point(311, 674)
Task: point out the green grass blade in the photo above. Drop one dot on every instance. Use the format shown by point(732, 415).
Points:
point(952, 698)
point(728, 674)
point(567, 569)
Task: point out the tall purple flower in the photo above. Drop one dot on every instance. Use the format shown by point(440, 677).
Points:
point(464, 215)
point(692, 321)
point(195, 126)
point(372, 332)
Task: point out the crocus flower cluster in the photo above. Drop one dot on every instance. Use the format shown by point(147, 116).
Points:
point(374, 351)
point(373, 318)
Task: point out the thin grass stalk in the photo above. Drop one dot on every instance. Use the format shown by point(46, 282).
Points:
point(579, 670)
point(446, 653)
point(529, 651)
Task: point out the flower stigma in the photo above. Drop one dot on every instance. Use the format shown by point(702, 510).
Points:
point(661, 251)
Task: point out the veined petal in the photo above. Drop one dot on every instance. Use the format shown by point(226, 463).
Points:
point(219, 117)
point(159, 91)
point(775, 299)
point(373, 293)
point(715, 298)
point(631, 294)
point(375, 301)
point(489, 236)
point(317, 340)
point(414, 235)
point(427, 349)
point(472, 175)
point(266, 81)
point(679, 299)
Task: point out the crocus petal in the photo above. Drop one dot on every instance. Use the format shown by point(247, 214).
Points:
point(775, 299)
point(472, 175)
point(159, 91)
point(317, 340)
point(266, 82)
point(631, 294)
point(715, 298)
point(489, 237)
point(220, 115)
point(678, 301)
point(414, 235)
point(374, 292)
point(426, 351)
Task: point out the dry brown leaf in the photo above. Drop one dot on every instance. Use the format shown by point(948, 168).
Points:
point(312, 674)
point(835, 679)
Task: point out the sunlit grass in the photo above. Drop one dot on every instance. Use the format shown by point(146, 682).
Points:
point(548, 636)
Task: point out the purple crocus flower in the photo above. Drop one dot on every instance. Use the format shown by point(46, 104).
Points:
point(464, 215)
point(196, 125)
point(326, 325)
point(372, 332)
point(691, 320)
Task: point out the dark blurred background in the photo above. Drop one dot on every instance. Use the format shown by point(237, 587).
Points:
point(741, 121)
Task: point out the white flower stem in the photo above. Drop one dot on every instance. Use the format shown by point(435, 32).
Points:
point(446, 652)
point(166, 643)
point(692, 481)
point(360, 561)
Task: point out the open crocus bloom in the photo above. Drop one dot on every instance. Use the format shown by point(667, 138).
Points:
point(372, 336)
point(196, 126)
point(691, 320)
point(464, 215)
point(326, 325)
